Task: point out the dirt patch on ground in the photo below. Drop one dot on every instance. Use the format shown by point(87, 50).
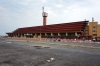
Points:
point(40, 47)
point(6, 62)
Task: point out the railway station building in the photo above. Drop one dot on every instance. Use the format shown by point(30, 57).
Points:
point(70, 30)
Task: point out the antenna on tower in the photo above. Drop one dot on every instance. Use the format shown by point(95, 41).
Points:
point(92, 19)
point(43, 8)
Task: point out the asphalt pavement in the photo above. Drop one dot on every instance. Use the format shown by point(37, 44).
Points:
point(39, 53)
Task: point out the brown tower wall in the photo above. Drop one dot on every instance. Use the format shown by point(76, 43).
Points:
point(44, 20)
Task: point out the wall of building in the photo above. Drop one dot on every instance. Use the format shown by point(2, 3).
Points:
point(98, 32)
point(87, 30)
point(93, 29)
point(90, 28)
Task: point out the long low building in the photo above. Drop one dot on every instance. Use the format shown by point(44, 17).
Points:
point(71, 30)
point(65, 30)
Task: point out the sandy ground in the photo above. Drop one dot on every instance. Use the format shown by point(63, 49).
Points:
point(22, 53)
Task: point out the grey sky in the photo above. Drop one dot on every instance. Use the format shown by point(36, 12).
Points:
point(25, 13)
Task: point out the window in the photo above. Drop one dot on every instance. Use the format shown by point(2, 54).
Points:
point(94, 34)
point(94, 26)
point(94, 31)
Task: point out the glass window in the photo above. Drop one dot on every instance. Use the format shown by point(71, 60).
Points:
point(94, 26)
point(94, 31)
point(94, 34)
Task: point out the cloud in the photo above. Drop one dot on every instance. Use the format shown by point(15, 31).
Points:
point(23, 13)
point(51, 13)
point(2, 8)
point(59, 5)
point(43, 0)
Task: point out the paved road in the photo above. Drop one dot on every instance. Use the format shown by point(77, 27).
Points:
point(18, 53)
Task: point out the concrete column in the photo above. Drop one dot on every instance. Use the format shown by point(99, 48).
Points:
point(18, 35)
point(35, 36)
point(76, 34)
point(14, 35)
point(24, 36)
point(40, 34)
point(66, 34)
point(45, 34)
point(21, 35)
point(52, 34)
point(58, 34)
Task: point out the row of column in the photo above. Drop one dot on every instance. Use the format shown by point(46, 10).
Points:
point(41, 34)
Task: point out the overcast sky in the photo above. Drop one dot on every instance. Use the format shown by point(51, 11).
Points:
point(25, 13)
